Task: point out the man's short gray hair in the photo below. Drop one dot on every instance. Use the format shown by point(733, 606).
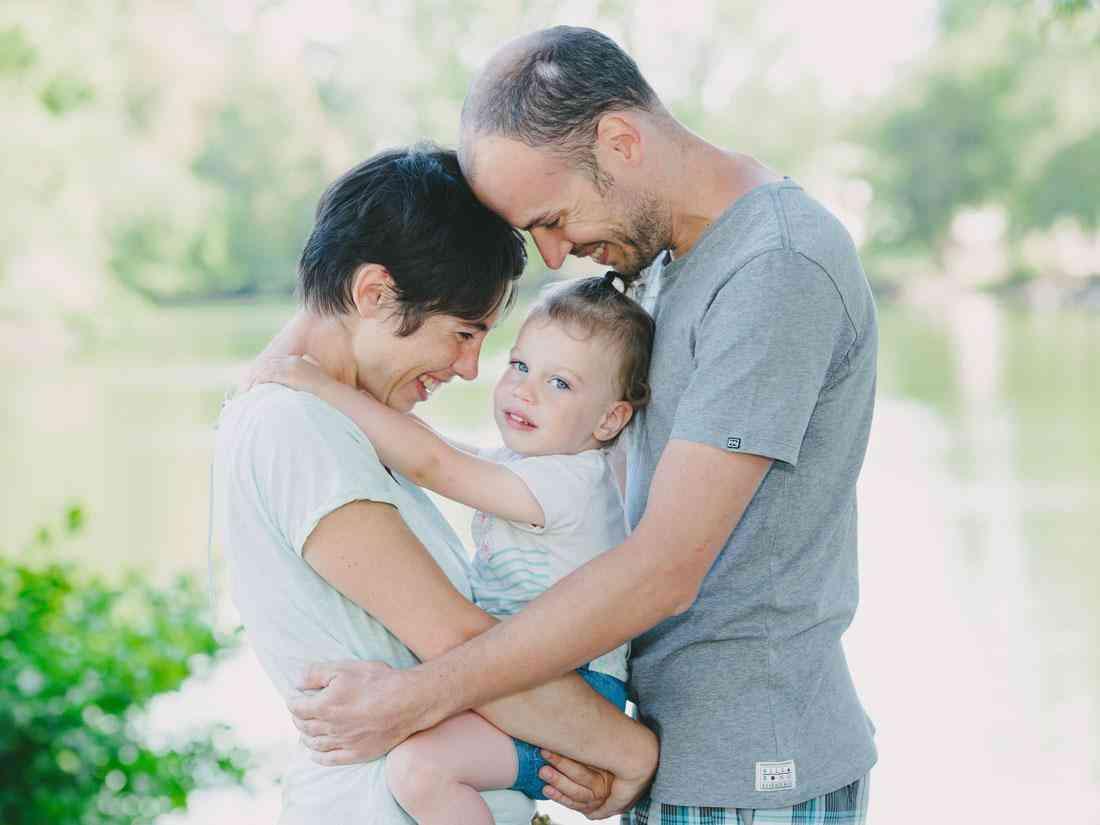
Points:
point(550, 89)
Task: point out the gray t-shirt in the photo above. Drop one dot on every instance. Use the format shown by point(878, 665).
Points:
point(766, 344)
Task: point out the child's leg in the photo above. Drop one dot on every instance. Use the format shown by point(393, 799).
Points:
point(436, 774)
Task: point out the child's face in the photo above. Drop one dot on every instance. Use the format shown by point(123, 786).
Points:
point(560, 392)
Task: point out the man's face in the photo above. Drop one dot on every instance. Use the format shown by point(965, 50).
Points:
point(561, 207)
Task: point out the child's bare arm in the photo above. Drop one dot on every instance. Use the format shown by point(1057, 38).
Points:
point(409, 446)
point(458, 445)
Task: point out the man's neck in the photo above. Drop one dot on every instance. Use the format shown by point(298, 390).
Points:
point(708, 181)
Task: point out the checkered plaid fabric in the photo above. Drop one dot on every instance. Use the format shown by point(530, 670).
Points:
point(847, 806)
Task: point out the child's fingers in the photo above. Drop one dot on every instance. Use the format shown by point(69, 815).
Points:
point(577, 772)
point(568, 793)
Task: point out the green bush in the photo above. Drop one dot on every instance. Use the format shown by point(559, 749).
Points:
point(79, 661)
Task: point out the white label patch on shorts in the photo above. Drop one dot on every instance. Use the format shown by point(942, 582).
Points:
point(775, 776)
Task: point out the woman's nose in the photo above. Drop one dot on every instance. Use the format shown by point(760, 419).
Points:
point(466, 365)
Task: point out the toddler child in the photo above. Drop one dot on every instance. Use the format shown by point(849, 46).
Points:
point(547, 502)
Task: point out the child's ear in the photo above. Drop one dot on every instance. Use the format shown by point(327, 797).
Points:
point(617, 416)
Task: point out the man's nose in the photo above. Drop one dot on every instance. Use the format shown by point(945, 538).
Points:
point(466, 365)
point(552, 245)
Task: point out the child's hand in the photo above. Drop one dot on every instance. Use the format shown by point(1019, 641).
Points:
point(299, 372)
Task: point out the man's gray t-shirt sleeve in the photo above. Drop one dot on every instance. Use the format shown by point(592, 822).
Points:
point(773, 334)
point(308, 460)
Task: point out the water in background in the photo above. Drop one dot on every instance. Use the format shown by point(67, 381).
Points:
point(975, 648)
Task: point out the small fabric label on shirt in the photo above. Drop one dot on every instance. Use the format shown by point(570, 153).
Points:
point(733, 443)
point(775, 776)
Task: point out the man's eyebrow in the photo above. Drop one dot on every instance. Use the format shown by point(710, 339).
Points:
point(539, 220)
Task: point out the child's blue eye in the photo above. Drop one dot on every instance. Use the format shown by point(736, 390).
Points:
point(559, 383)
point(518, 366)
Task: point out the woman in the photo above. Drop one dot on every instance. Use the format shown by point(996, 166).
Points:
point(332, 555)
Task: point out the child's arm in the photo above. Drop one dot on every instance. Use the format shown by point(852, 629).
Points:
point(409, 446)
point(458, 445)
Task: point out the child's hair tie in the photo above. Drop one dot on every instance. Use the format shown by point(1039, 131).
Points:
point(614, 280)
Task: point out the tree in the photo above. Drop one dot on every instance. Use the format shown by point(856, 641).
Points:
point(976, 126)
point(79, 661)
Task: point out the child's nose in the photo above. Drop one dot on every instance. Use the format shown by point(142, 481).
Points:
point(523, 390)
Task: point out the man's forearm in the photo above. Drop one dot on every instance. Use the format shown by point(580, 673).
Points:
point(612, 599)
point(568, 717)
point(564, 715)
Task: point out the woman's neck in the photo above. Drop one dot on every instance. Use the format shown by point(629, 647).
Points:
point(328, 340)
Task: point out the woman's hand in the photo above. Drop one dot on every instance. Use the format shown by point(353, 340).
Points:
point(299, 372)
point(353, 711)
point(595, 793)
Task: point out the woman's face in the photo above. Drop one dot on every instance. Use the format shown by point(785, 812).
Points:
point(402, 372)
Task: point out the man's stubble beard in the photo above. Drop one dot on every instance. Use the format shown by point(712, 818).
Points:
point(647, 234)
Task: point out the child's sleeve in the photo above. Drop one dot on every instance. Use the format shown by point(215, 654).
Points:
point(562, 485)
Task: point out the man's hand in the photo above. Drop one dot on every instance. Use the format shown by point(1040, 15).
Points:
point(356, 711)
point(596, 794)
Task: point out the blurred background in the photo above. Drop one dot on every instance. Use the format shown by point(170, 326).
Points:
point(161, 160)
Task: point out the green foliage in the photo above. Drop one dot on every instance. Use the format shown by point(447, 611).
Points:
point(267, 197)
point(1071, 7)
point(16, 53)
point(1066, 186)
point(64, 94)
point(262, 193)
point(976, 126)
point(952, 145)
point(202, 142)
point(79, 660)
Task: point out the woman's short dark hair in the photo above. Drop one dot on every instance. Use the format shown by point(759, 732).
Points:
point(411, 211)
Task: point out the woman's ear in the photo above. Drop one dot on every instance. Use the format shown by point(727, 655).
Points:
point(617, 416)
point(371, 289)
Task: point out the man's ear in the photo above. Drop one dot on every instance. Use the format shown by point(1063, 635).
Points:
point(617, 416)
point(619, 138)
point(371, 289)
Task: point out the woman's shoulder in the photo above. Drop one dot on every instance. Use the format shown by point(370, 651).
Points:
point(274, 402)
point(279, 420)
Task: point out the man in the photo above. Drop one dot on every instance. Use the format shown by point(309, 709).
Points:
point(739, 577)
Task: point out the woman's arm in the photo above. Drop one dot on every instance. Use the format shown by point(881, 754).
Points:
point(393, 577)
point(407, 445)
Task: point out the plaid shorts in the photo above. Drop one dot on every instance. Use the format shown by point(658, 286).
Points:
point(847, 806)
